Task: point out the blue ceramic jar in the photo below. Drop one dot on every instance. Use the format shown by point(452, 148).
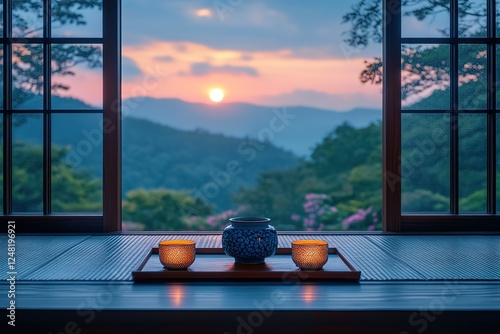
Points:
point(249, 239)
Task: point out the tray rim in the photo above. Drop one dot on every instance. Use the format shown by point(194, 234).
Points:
point(353, 275)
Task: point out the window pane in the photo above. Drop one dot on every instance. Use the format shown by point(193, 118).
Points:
point(498, 17)
point(27, 160)
point(1, 77)
point(472, 163)
point(27, 18)
point(425, 164)
point(27, 76)
point(472, 76)
point(1, 163)
point(203, 161)
point(498, 164)
point(498, 76)
point(76, 18)
point(1, 18)
point(425, 19)
point(472, 18)
point(425, 77)
point(76, 162)
point(76, 76)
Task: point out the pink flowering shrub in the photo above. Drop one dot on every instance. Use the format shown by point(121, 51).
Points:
point(318, 214)
point(316, 211)
point(358, 217)
point(363, 219)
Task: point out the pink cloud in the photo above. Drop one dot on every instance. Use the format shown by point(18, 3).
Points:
point(283, 78)
point(279, 73)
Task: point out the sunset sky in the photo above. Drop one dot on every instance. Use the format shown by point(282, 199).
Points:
point(277, 52)
point(267, 52)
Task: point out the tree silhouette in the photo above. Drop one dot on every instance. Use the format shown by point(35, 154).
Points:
point(73, 190)
point(425, 69)
point(27, 58)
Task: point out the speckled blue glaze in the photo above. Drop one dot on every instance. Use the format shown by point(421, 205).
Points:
point(249, 239)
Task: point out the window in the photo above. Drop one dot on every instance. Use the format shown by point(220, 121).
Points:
point(59, 113)
point(440, 118)
point(446, 133)
point(276, 144)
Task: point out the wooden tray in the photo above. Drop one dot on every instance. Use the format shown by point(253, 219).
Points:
point(213, 264)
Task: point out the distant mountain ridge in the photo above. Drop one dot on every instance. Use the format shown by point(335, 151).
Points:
point(58, 102)
point(296, 128)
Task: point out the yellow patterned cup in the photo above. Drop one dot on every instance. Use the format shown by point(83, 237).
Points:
point(310, 254)
point(177, 254)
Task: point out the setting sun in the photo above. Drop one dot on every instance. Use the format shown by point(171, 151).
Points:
point(216, 95)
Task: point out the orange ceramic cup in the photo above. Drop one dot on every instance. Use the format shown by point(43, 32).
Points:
point(177, 254)
point(310, 254)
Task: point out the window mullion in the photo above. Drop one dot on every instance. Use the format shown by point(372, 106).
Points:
point(391, 116)
point(7, 105)
point(47, 136)
point(454, 182)
point(112, 115)
point(491, 116)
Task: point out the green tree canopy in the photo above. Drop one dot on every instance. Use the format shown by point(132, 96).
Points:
point(162, 209)
point(72, 190)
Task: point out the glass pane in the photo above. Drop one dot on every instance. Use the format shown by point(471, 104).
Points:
point(27, 76)
point(76, 18)
point(425, 19)
point(498, 18)
point(425, 77)
point(191, 160)
point(472, 163)
point(498, 163)
point(425, 164)
point(27, 159)
point(1, 163)
point(27, 18)
point(1, 18)
point(472, 18)
point(472, 76)
point(76, 162)
point(76, 76)
point(1, 77)
point(498, 76)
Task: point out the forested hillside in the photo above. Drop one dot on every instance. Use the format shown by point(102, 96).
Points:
point(157, 156)
point(154, 156)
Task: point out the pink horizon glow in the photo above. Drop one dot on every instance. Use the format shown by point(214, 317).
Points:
point(85, 85)
point(279, 73)
point(283, 78)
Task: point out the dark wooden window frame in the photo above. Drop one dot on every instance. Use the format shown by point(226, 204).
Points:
point(110, 219)
point(393, 220)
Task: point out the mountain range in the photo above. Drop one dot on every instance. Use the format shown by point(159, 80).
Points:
point(297, 128)
point(184, 146)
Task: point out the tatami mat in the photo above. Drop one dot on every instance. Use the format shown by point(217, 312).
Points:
point(379, 258)
point(446, 257)
point(33, 252)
